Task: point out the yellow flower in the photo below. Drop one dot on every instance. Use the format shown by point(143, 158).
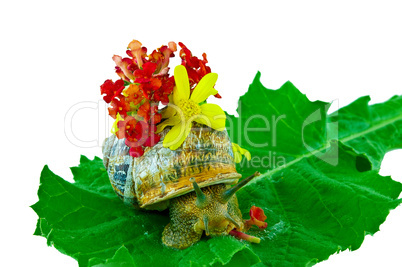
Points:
point(114, 127)
point(238, 152)
point(185, 108)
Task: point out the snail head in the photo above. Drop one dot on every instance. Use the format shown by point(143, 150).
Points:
point(216, 207)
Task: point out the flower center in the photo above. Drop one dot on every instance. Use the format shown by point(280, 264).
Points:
point(189, 108)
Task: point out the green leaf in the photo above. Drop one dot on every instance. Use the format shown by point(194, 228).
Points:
point(315, 209)
point(283, 126)
point(91, 226)
point(122, 258)
point(276, 126)
point(372, 130)
point(92, 177)
point(320, 195)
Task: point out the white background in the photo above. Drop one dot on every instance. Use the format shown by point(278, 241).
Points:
point(55, 55)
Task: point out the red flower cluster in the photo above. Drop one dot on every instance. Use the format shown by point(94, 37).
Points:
point(148, 84)
point(144, 83)
point(154, 88)
point(196, 68)
point(150, 72)
point(138, 134)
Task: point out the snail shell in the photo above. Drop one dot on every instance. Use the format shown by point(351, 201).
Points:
point(160, 174)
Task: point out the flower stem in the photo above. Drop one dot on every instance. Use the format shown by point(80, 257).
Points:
point(244, 236)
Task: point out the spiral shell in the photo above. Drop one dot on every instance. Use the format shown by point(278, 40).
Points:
point(160, 174)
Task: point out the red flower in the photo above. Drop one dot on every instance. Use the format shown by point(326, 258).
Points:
point(149, 88)
point(149, 113)
point(136, 151)
point(119, 106)
point(126, 126)
point(152, 140)
point(124, 64)
point(143, 132)
point(121, 74)
point(136, 135)
point(162, 94)
point(134, 95)
point(156, 57)
point(111, 89)
point(137, 52)
point(167, 52)
point(162, 56)
point(144, 111)
point(196, 68)
point(155, 118)
point(257, 217)
point(187, 57)
point(144, 75)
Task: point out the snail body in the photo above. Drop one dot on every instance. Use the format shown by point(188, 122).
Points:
point(193, 181)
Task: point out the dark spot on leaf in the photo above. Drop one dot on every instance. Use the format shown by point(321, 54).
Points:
point(362, 163)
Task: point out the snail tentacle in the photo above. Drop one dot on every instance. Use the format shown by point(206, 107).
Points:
point(226, 195)
point(201, 201)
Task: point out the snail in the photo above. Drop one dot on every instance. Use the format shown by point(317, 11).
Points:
point(194, 182)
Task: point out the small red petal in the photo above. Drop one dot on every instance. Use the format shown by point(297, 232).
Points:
point(136, 152)
point(257, 213)
point(156, 118)
point(149, 68)
point(152, 140)
point(257, 217)
point(144, 111)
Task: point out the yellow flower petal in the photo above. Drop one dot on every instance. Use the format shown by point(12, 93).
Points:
point(204, 88)
point(168, 112)
point(115, 129)
point(182, 89)
point(168, 122)
point(237, 157)
point(247, 155)
point(176, 136)
point(238, 151)
point(235, 147)
point(213, 116)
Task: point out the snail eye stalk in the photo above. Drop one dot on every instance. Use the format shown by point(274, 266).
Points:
point(226, 195)
point(206, 222)
point(201, 201)
point(227, 216)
